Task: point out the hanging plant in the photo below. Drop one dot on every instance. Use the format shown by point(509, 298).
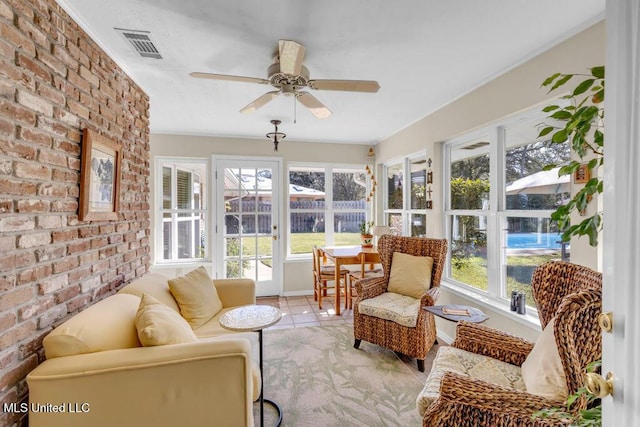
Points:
point(583, 129)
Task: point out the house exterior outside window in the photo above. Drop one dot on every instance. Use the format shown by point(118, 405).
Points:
point(326, 205)
point(499, 201)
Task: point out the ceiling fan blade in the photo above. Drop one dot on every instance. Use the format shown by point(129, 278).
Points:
point(259, 102)
point(345, 85)
point(316, 107)
point(291, 55)
point(230, 78)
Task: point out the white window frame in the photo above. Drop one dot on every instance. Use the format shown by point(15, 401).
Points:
point(175, 163)
point(329, 210)
point(406, 211)
point(496, 213)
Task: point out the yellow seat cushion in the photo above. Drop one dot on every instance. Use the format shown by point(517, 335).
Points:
point(410, 275)
point(106, 325)
point(158, 324)
point(394, 307)
point(542, 370)
point(196, 296)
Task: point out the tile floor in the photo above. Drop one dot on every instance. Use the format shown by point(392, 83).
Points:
point(303, 311)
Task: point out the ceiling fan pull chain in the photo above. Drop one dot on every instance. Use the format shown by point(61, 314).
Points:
point(294, 109)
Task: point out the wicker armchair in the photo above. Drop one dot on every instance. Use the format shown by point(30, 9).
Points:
point(416, 341)
point(571, 293)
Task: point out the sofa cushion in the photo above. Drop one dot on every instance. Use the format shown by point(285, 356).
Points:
point(158, 324)
point(196, 296)
point(410, 275)
point(154, 284)
point(451, 359)
point(542, 370)
point(106, 325)
point(391, 306)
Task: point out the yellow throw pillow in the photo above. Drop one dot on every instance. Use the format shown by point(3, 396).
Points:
point(410, 275)
point(542, 370)
point(196, 296)
point(158, 324)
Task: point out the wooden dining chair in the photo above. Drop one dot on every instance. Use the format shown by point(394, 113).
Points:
point(367, 269)
point(324, 274)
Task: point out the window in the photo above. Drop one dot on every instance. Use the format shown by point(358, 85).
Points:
point(500, 201)
point(183, 234)
point(326, 205)
point(405, 203)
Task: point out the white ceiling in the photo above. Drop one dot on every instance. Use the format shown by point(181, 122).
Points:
point(424, 54)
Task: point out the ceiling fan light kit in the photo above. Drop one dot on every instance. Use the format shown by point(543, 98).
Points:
point(289, 77)
point(275, 136)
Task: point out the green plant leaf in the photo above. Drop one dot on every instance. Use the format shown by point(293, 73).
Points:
point(559, 137)
point(598, 97)
point(583, 87)
point(547, 130)
point(549, 167)
point(592, 163)
point(598, 72)
point(561, 81)
point(561, 115)
point(598, 138)
point(550, 79)
point(550, 108)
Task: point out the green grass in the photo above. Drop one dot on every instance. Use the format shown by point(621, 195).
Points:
point(475, 273)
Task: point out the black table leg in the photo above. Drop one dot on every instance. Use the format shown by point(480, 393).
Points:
point(262, 399)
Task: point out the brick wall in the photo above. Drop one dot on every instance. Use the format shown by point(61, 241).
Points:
point(55, 81)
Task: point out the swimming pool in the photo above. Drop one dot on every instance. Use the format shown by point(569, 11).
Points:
point(533, 240)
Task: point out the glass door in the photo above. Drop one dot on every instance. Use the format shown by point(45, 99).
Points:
point(247, 228)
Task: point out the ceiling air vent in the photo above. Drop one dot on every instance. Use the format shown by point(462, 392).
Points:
point(141, 42)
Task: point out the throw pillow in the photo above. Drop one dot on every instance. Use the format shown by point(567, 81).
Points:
point(542, 370)
point(158, 324)
point(410, 275)
point(196, 296)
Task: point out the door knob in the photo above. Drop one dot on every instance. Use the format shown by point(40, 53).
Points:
point(598, 386)
point(605, 320)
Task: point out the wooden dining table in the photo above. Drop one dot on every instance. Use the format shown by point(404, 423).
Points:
point(344, 255)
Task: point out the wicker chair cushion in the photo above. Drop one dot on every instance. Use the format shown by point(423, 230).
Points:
point(410, 275)
point(394, 307)
point(451, 359)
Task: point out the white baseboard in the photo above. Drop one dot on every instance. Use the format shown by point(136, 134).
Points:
point(298, 294)
point(444, 337)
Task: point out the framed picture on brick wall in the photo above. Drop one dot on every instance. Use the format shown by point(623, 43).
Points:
point(99, 177)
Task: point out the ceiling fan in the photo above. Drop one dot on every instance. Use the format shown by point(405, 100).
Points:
point(289, 76)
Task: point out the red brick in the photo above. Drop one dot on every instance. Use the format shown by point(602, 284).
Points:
point(50, 253)
point(52, 126)
point(16, 223)
point(19, 371)
point(51, 94)
point(53, 190)
point(7, 243)
point(78, 109)
point(67, 293)
point(64, 206)
point(32, 170)
point(33, 32)
point(7, 282)
point(99, 242)
point(52, 315)
point(9, 186)
point(19, 40)
point(34, 274)
point(31, 206)
point(52, 158)
point(34, 67)
point(19, 150)
point(16, 334)
point(6, 11)
point(68, 263)
point(7, 320)
point(64, 236)
point(32, 240)
point(78, 247)
point(16, 297)
point(78, 303)
point(52, 62)
point(7, 128)
point(35, 103)
point(17, 113)
point(36, 308)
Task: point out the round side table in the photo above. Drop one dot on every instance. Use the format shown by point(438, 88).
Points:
point(255, 318)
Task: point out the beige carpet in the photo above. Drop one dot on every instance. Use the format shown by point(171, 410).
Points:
point(319, 380)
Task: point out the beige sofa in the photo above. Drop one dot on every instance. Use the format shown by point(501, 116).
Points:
point(100, 375)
